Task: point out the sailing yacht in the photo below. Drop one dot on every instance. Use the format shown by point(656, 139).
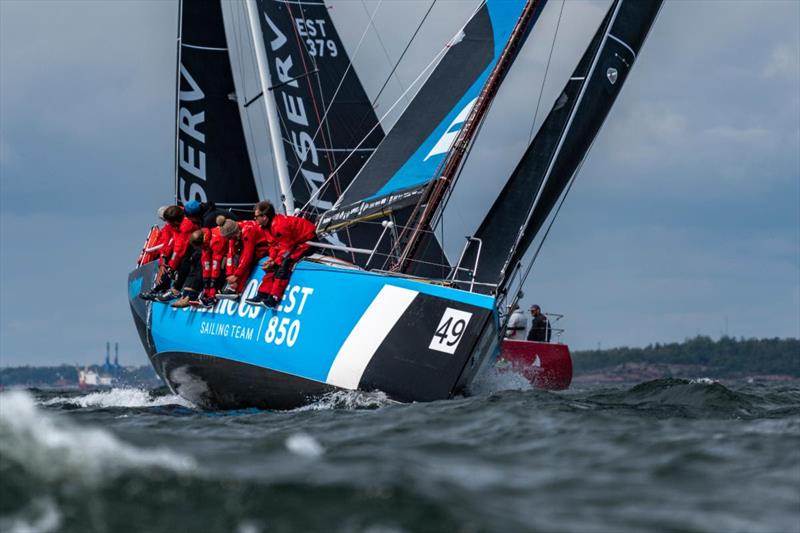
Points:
point(380, 306)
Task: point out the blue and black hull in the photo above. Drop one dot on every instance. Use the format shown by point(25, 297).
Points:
point(337, 329)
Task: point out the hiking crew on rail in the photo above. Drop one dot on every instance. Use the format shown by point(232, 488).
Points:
point(206, 254)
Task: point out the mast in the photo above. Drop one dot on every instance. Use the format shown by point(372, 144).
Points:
point(276, 142)
point(438, 189)
point(177, 95)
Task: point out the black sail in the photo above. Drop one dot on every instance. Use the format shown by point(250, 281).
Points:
point(323, 109)
point(212, 163)
point(561, 143)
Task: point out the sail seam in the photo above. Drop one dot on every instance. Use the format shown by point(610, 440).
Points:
point(208, 48)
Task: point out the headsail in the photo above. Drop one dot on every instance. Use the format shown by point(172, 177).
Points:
point(410, 155)
point(550, 162)
point(323, 110)
point(211, 155)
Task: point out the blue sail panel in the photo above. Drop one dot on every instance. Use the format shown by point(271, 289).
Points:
point(409, 156)
point(422, 165)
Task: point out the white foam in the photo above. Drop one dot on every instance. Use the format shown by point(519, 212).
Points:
point(41, 516)
point(704, 381)
point(55, 449)
point(248, 526)
point(349, 400)
point(120, 398)
point(493, 379)
point(305, 445)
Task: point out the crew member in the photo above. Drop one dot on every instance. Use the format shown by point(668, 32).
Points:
point(289, 236)
point(213, 255)
point(247, 243)
point(177, 266)
point(209, 213)
point(517, 323)
point(192, 264)
point(172, 216)
point(540, 327)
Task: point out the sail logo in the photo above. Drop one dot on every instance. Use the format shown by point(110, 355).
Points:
point(298, 130)
point(444, 143)
point(191, 140)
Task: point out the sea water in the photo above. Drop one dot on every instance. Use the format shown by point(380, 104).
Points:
point(665, 455)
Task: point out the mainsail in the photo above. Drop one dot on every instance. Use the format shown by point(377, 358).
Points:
point(551, 160)
point(324, 113)
point(408, 158)
point(211, 162)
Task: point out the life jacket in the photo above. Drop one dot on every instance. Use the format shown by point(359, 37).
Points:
point(149, 251)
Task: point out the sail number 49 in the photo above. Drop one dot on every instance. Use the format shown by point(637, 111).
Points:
point(450, 330)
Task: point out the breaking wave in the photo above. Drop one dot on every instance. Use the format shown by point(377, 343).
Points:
point(52, 449)
point(41, 516)
point(494, 379)
point(682, 397)
point(349, 400)
point(130, 398)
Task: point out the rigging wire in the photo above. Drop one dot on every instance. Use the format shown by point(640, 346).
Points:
point(435, 60)
point(421, 75)
point(333, 98)
point(328, 152)
point(552, 220)
point(439, 220)
point(385, 52)
point(238, 37)
point(546, 70)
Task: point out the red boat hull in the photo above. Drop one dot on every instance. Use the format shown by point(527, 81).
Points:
point(547, 366)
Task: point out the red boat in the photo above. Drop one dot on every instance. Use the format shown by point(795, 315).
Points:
point(546, 365)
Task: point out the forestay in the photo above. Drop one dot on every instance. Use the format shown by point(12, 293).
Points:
point(554, 156)
point(324, 113)
point(411, 154)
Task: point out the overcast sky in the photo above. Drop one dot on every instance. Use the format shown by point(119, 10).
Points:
point(685, 218)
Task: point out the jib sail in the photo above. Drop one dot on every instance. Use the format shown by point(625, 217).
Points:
point(323, 110)
point(408, 158)
point(211, 162)
point(551, 160)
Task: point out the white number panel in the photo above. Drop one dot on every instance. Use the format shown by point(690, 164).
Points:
point(450, 330)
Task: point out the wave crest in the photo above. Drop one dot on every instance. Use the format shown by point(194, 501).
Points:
point(120, 398)
point(682, 396)
point(349, 400)
point(51, 448)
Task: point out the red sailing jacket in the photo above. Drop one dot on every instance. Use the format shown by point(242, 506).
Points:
point(214, 248)
point(167, 238)
point(182, 241)
point(253, 244)
point(290, 235)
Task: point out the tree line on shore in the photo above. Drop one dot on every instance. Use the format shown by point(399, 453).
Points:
point(726, 356)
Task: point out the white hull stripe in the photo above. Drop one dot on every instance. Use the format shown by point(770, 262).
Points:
point(367, 336)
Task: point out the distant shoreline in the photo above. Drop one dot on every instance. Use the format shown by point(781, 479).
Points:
point(726, 359)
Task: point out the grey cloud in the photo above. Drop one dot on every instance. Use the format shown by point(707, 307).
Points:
point(685, 213)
